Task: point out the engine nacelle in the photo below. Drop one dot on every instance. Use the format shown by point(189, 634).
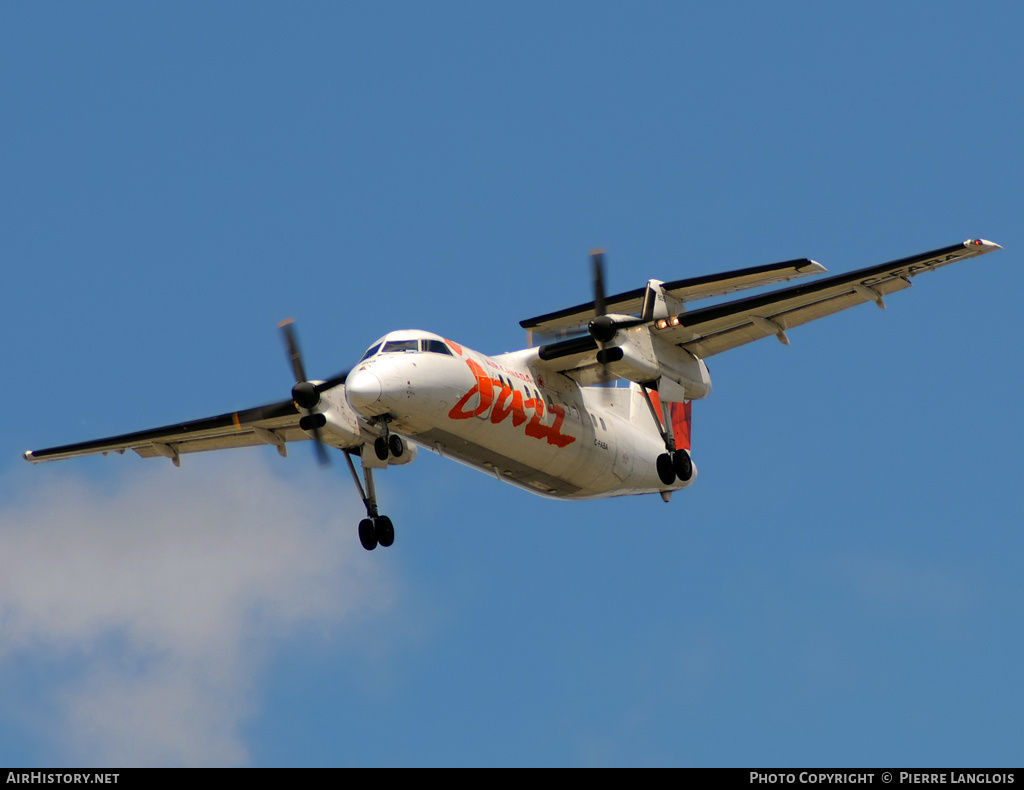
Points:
point(341, 422)
point(639, 356)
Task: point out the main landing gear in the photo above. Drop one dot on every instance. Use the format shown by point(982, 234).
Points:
point(674, 463)
point(375, 529)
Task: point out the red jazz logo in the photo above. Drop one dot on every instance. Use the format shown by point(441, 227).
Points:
point(505, 402)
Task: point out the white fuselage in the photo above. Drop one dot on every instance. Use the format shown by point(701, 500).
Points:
point(506, 416)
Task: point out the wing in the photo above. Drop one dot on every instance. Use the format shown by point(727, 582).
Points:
point(275, 423)
point(575, 318)
point(712, 330)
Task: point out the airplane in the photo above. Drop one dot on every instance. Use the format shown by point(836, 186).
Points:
point(544, 418)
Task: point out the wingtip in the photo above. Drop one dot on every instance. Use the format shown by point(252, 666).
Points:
point(27, 455)
point(982, 243)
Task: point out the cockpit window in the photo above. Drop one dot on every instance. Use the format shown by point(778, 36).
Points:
point(400, 346)
point(436, 347)
point(373, 350)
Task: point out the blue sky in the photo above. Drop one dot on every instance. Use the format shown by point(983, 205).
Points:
point(842, 585)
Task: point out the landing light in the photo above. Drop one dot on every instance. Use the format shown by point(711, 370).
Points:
point(662, 324)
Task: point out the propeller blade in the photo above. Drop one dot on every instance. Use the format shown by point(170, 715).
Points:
point(292, 344)
point(321, 450)
point(306, 394)
point(333, 382)
point(597, 261)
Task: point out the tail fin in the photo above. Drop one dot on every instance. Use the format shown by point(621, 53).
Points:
point(681, 423)
point(680, 414)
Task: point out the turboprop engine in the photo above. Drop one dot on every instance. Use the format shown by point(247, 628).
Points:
point(634, 353)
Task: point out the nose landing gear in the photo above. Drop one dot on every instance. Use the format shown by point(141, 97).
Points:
point(375, 529)
point(388, 444)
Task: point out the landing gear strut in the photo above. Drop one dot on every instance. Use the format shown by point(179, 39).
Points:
point(674, 463)
point(375, 529)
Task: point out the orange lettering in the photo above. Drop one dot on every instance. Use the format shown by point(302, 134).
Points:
point(502, 407)
point(484, 387)
point(552, 433)
point(555, 435)
point(509, 401)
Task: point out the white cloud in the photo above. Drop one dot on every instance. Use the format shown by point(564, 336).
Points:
point(168, 592)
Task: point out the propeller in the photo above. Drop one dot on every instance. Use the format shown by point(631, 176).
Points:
point(602, 327)
point(305, 393)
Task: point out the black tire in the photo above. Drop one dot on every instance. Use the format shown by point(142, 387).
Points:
point(666, 471)
point(366, 536)
point(683, 465)
point(396, 445)
point(384, 531)
point(380, 446)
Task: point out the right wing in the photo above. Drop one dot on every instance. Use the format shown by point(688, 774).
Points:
point(275, 423)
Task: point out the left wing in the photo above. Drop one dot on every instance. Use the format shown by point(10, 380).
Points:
point(574, 319)
point(275, 423)
point(712, 330)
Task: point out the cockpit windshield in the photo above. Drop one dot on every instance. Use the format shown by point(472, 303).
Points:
point(436, 347)
point(400, 346)
point(430, 345)
point(372, 350)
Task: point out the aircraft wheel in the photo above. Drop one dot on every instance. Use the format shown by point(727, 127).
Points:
point(384, 531)
point(396, 445)
point(380, 446)
point(666, 471)
point(682, 465)
point(366, 536)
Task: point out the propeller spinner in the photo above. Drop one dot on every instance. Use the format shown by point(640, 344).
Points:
point(603, 327)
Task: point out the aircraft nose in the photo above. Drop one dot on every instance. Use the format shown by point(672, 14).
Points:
point(363, 391)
